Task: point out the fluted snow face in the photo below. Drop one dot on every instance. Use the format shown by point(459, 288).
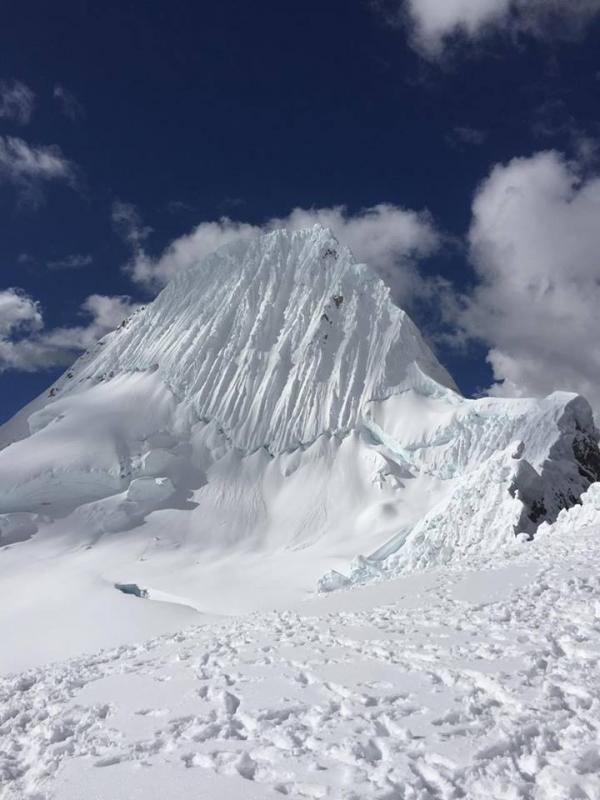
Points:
point(279, 340)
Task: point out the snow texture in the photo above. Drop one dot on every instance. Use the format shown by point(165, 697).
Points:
point(477, 682)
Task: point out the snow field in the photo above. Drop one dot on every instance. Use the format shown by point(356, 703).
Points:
point(479, 681)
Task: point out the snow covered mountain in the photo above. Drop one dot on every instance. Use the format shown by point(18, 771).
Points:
point(270, 423)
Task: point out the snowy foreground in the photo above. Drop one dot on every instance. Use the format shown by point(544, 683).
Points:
point(479, 681)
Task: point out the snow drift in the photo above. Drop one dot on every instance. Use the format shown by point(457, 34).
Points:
point(270, 417)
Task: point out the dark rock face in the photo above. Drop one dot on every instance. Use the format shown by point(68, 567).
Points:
point(574, 462)
point(572, 466)
point(529, 487)
point(537, 512)
point(587, 456)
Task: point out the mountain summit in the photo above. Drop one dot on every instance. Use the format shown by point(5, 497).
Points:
point(271, 423)
point(279, 339)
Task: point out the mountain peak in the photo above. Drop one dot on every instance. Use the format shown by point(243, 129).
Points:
point(279, 339)
point(270, 416)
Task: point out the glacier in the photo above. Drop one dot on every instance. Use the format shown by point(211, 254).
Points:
point(270, 424)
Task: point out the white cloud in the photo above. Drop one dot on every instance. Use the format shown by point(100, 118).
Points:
point(107, 312)
point(389, 238)
point(18, 312)
point(185, 251)
point(437, 24)
point(26, 345)
point(535, 245)
point(28, 167)
point(16, 102)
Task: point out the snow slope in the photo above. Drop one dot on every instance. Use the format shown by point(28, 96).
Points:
point(480, 681)
point(270, 420)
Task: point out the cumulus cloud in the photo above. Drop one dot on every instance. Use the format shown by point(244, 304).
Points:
point(16, 102)
point(436, 25)
point(535, 245)
point(387, 237)
point(25, 343)
point(28, 167)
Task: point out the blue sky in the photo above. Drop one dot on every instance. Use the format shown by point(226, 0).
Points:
point(456, 150)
